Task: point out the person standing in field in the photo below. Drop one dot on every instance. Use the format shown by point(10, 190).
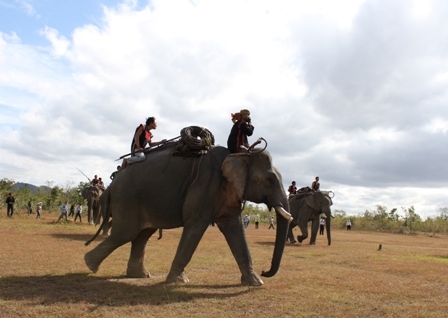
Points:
point(39, 211)
point(64, 211)
point(271, 223)
point(78, 213)
point(246, 221)
point(257, 221)
point(10, 205)
point(321, 226)
point(72, 210)
point(349, 225)
point(30, 208)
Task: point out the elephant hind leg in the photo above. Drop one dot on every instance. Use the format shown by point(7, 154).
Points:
point(136, 267)
point(304, 235)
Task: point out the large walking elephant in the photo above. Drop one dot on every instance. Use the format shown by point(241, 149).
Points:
point(93, 196)
point(167, 191)
point(308, 207)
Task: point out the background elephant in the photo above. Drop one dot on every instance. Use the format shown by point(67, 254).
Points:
point(309, 207)
point(93, 196)
point(167, 191)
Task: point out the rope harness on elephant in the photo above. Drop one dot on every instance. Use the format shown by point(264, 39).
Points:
point(194, 141)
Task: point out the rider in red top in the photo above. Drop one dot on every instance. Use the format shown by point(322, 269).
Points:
point(142, 137)
point(292, 188)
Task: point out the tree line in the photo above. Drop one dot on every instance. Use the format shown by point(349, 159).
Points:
point(378, 219)
point(384, 220)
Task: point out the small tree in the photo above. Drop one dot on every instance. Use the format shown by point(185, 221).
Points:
point(411, 219)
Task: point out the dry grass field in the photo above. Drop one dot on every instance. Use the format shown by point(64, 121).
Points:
point(43, 275)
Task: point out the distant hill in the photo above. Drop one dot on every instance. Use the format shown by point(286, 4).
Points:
point(32, 187)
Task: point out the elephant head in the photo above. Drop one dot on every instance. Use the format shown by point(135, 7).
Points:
point(255, 179)
point(321, 203)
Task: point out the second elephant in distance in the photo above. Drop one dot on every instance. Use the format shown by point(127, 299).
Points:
point(93, 196)
point(308, 207)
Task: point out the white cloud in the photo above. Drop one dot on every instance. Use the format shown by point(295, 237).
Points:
point(60, 44)
point(27, 8)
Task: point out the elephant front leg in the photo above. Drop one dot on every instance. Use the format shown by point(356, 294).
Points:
point(95, 257)
point(314, 229)
point(236, 238)
point(191, 235)
point(90, 214)
point(136, 267)
point(290, 236)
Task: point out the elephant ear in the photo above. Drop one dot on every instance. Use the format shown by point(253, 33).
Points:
point(314, 202)
point(234, 169)
point(327, 196)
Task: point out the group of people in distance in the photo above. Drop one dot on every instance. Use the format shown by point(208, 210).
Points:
point(10, 201)
point(237, 141)
point(64, 212)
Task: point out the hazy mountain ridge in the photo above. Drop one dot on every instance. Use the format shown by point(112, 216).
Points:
point(32, 187)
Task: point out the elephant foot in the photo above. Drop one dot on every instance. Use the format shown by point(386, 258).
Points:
point(90, 263)
point(137, 273)
point(312, 243)
point(251, 280)
point(177, 278)
point(300, 239)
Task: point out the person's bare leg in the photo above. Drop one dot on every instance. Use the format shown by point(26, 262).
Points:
point(124, 164)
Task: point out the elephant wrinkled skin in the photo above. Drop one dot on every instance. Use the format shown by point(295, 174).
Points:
point(166, 191)
point(309, 207)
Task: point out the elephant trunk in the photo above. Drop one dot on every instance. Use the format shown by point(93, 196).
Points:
point(280, 238)
point(328, 226)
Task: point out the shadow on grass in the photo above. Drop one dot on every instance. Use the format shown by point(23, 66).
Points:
point(100, 291)
point(78, 237)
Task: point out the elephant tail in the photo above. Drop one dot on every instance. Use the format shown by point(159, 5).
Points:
point(105, 211)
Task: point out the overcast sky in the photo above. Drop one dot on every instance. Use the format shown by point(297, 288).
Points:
point(352, 91)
